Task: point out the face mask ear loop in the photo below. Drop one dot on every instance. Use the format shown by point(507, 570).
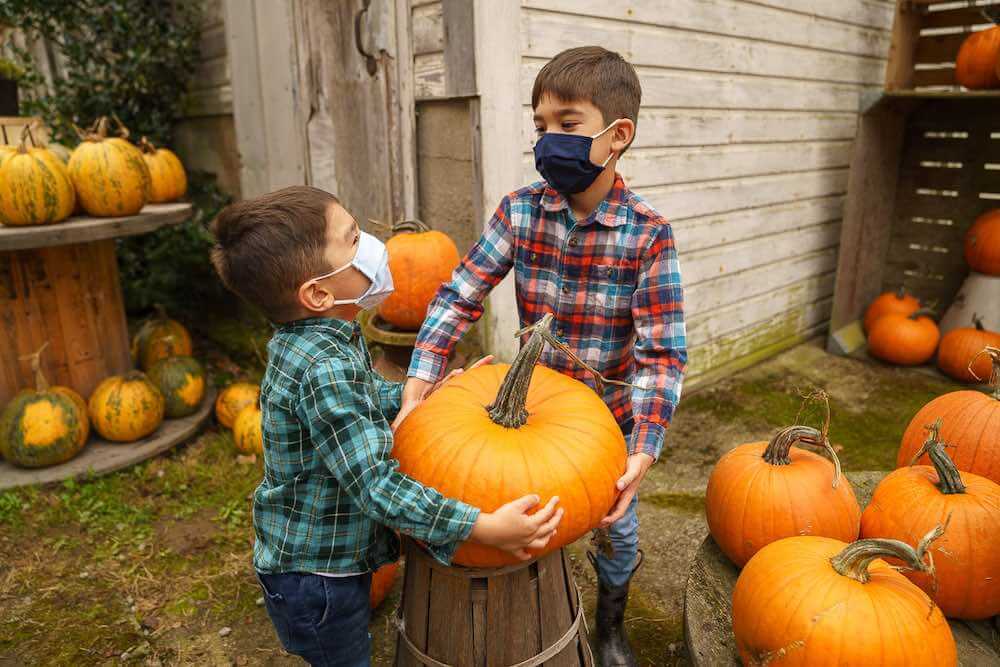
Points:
point(612, 153)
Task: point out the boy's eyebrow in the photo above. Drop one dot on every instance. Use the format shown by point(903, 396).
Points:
point(561, 113)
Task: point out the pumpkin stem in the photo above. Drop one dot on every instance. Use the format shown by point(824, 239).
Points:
point(122, 130)
point(147, 146)
point(417, 226)
point(508, 409)
point(994, 353)
point(901, 293)
point(41, 383)
point(854, 560)
point(26, 135)
point(923, 312)
point(978, 322)
point(161, 311)
point(949, 479)
point(777, 450)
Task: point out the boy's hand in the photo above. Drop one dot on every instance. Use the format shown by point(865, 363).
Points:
point(511, 529)
point(416, 390)
point(628, 485)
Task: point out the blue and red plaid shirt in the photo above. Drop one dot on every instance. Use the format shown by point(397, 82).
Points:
point(613, 283)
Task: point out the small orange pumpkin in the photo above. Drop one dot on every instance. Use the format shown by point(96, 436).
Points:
point(233, 399)
point(905, 340)
point(247, 433)
point(168, 178)
point(126, 408)
point(890, 302)
point(967, 558)
point(971, 425)
point(960, 353)
point(160, 337)
point(383, 580)
point(976, 64)
point(811, 600)
point(982, 244)
point(420, 259)
point(762, 492)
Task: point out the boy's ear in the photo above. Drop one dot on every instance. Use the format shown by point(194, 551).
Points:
point(622, 135)
point(314, 297)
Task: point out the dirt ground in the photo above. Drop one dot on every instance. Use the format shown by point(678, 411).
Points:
point(151, 566)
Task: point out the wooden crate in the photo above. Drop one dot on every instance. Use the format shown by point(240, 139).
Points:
point(924, 167)
point(11, 126)
point(926, 36)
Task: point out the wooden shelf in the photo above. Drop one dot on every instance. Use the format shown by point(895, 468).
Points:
point(85, 229)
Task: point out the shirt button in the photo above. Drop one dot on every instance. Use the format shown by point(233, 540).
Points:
point(534, 256)
point(565, 289)
point(561, 332)
point(573, 241)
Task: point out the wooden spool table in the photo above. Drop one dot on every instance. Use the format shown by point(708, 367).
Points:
point(708, 619)
point(521, 615)
point(59, 284)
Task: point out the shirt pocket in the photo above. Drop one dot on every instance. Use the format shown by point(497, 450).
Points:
point(610, 286)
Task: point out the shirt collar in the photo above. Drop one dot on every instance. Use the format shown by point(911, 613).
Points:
point(606, 212)
point(343, 329)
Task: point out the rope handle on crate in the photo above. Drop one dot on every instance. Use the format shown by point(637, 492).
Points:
point(533, 661)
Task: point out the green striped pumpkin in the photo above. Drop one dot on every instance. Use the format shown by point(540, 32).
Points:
point(109, 174)
point(35, 188)
point(181, 380)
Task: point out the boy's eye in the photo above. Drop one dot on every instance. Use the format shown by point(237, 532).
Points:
point(569, 127)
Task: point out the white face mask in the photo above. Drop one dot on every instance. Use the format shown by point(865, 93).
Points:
point(372, 260)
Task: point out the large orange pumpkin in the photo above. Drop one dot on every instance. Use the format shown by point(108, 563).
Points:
point(905, 340)
point(109, 174)
point(960, 353)
point(762, 492)
point(982, 244)
point(35, 188)
point(125, 408)
point(382, 582)
point(499, 432)
point(971, 424)
point(168, 179)
point(818, 601)
point(420, 259)
point(967, 557)
point(898, 302)
point(976, 64)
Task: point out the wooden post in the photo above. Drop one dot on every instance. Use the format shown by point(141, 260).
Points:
point(902, 49)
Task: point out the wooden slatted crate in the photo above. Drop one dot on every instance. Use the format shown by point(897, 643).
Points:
point(926, 37)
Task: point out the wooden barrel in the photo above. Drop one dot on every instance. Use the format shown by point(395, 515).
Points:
point(523, 615)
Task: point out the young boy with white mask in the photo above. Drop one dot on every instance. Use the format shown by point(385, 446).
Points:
point(325, 513)
point(602, 260)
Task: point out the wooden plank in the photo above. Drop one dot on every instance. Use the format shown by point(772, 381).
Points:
point(429, 76)
point(406, 121)
point(498, 615)
point(449, 636)
point(212, 41)
point(853, 12)
point(938, 76)
point(701, 90)
point(416, 603)
point(871, 196)
point(554, 606)
point(938, 48)
point(960, 17)
point(211, 73)
point(735, 20)
point(428, 29)
point(101, 457)
point(520, 630)
point(82, 229)
point(459, 48)
point(905, 32)
point(544, 34)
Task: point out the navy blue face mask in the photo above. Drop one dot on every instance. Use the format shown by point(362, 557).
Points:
point(563, 160)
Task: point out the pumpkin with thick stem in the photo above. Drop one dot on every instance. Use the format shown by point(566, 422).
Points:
point(109, 174)
point(905, 340)
point(420, 259)
point(182, 382)
point(970, 424)
point(982, 244)
point(898, 302)
point(967, 557)
point(158, 338)
point(383, 580)
point(960, 353)
point(977, 60)
point(498, 432)
point(35, 188)
point(44, 426)
point(765, 491)
point(247, 433)
point(818, 601)
point(126, 408)
point(233, 399)
point(168, 180)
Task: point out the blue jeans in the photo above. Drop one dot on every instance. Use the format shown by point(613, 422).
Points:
point(625, 539)
point(323, 620)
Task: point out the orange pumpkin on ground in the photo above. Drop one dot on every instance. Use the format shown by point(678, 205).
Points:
point(809, 600)
point(420, 259)
point(982, 244)
point(960, 353)
point(247, 433)
point(383, 580)
point(967, 558)
point(977, 61)
point(898, 302)
point(233, 399)
point(762, 492)
point(904, 340)
point(971, 424)
point(126, 408)
point(535, 431)
point(168, 179)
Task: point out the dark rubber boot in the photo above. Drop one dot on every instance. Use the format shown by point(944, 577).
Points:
point(613, 648)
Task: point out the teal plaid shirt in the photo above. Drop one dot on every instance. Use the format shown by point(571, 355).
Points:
point(331, 494)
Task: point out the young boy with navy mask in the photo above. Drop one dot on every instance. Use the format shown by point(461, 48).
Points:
point(600, 258)
point(331, 496)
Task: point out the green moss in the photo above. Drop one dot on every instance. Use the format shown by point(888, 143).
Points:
point(687, 503)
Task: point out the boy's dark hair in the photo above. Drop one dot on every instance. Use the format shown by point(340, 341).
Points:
point(595, 75)
point(268, 246)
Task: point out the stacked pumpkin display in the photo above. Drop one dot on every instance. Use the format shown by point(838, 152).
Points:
point(105, 176)
point(790, 520)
